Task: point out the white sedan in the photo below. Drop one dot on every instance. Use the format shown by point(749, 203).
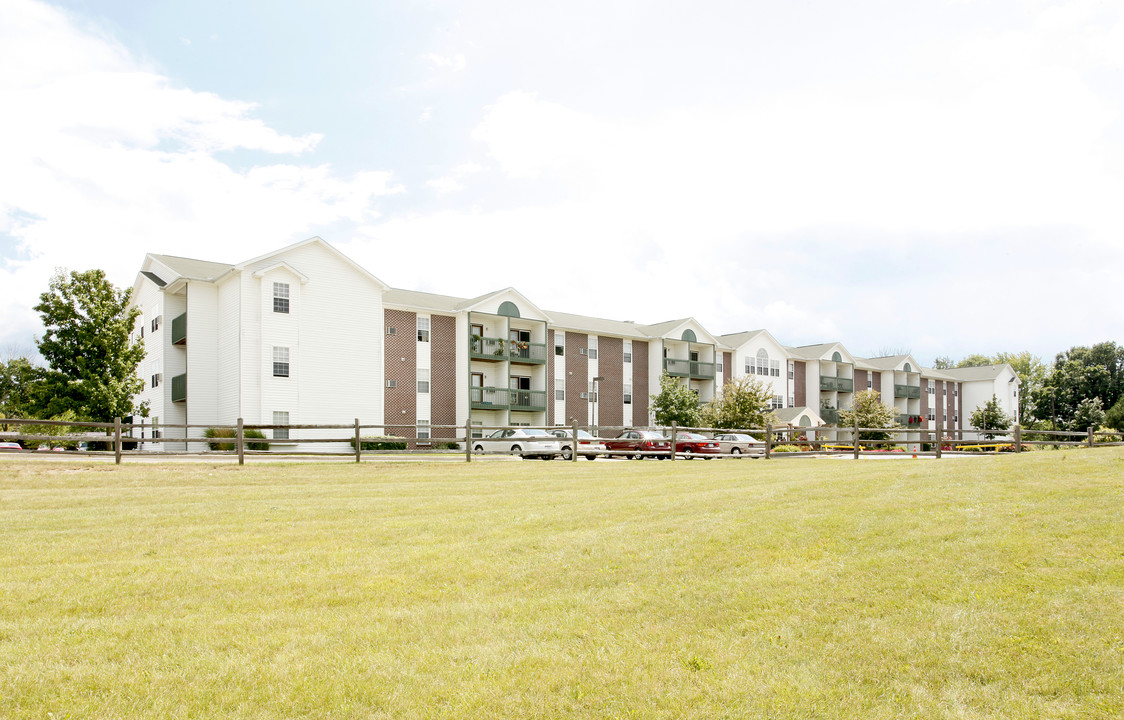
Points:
point(589, 447)
point(525, 442)
point(738, 444)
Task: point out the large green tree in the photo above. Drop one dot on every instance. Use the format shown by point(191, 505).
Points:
point(1078, 374)
point(741, 404)
point(871, 413)
point(92, 366)
point(990, 419)
point(676, 403)
point(17, 384)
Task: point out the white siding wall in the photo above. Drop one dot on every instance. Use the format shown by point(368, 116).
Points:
point(229, 347)
point(202, 357)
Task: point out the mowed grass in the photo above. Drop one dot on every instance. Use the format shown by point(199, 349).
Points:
point(987, 587)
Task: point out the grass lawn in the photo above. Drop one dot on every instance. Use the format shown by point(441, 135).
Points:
point(988, 587)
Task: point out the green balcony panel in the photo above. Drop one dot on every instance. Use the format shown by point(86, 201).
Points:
point(830, 415)
point(677, 368)
point(179, 388)
point(702, 370)
point(487, 348)
point(489, 398)
point(907, 391)
point(527, 400)
point(179, 330)
point(528, 353)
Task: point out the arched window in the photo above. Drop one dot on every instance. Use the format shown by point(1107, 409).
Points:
point(908, 368)
point(508, 308)
point(836, 357)
point(762, 362)
point(689, 335)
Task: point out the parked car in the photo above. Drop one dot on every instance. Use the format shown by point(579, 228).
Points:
point(740, 444)
point(637, 442)
point(691, 444)
point(589, 446)
point(525, 442)
point(10, 447)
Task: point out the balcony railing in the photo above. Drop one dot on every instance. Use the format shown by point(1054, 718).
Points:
point(836, 384)
point(907, 391)
point(676, 367)
point(830, 415)
point(179, 330)
point(702, 370)
point(488, 398)
point(529, 353)
point(179, 388)
point(487, 348)
point(527, 400)
point(909, 421)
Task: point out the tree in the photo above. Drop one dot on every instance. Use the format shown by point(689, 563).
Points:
point(1081, 373)
point(676, 403)
point(17, 383)
point(1032, 376)
point(1089, 414)
point(990, 417)
point(1114, 418)
point(741, 404)
point(92, 365)
point(943, 362)
point(870, 412)
point(975, 360)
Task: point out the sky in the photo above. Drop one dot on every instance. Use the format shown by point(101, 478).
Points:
point(939, 177)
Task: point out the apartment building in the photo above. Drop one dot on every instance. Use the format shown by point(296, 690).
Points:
point(306, 336)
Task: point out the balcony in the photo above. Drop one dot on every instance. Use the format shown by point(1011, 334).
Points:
point(702, 370)
point(487, 348)
point(179, 388)
point(179, 330)
point(527, 400)
point(528, 353)
point(830, 415)
point(909, 421)
point(677, 368)
point(907, 391)
point(488, 398)
point(836, 384)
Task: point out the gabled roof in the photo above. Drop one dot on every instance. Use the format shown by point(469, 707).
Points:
point(315, 240)
point(888, 362)
point(669, 329)
point(597, 326)
point(818, 352)
point(188, 269)
point(982, 372)
point(736, 340)
point(414, 299)
point(788, 415)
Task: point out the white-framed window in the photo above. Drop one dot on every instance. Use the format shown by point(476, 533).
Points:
point(280, 361)
point(157, 376)
point(423, 380)
point(944, 391)
point(628, 357)
point(775, 368)
point(955, 391)
point(792, 371)
point(156, 322)
point(932, 414)
point(592, 353)
point(776, 402)
point(762, 362)
point(423, 329)
point(792, 401)
point(628, 393)
point(560, 390)
point(750, 366)
point(718, 366)
point(628, 351)
point(869, 381)
point(280, 418)
point(477, 433)
point(560, 350)
point(281, 298)
point(423, 429)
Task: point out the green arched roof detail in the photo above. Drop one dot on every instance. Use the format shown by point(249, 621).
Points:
point(689, 335)
point(908, 368)
point(508, 308)
point(804, 421)
point(836, 357)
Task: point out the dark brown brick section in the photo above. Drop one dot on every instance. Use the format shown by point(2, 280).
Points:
point(727, 367)
point(577, 378)
point(860, 380)
point(550, 359)
point(877, 386)
point(403, 344)
point(443, 387)
point(640, 383)
point(610, 401)
point(800, 383)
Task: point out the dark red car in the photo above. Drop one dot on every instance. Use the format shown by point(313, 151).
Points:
point(691, 444)
point(639, 444)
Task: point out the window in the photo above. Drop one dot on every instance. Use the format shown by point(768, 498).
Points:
point(423, 429)
point(776, 403)
point(559, 350)
point(749, 366)
point(628, 351)
point(584, 396)
point(628, 357)
point(775, 368)
point(593, 353)
point(280, 362)
point(955, 391)
point(718, 366)
point(281, 298)
point(156, 322)
point(560, 390)
point(869, 382)
point(944, 392)
point(475, 432)
point(423, 329)
point(392, 383)
point(391, 330)
point(157, 376)
point(762, 362)
point(792, 401)
point(280, 418)
point(627, 394)
point(932, 414)
point(423, 380)
point(792, 371)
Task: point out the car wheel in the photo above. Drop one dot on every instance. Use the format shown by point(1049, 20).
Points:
point(567, 454)
point(479, 449)
point(735, 451)
point(590, 457)
point(688, 454)
point(638, 456)
point(516, 450)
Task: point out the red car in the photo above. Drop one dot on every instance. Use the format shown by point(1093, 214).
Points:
point(639, 443)
point(691, 444)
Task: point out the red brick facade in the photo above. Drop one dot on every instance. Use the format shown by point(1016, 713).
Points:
point(401, 363)
point(610, 401)
point(727, 369)
point(577, 378)
point(800, 383)
point(443, 375)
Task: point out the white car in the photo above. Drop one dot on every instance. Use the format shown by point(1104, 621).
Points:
point(10, 447)
point(525, 442)
point(589, 447)
point(738, 444)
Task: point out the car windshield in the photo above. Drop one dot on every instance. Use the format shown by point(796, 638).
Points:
point(652, 436)
point(691, 436)
point(534, 431)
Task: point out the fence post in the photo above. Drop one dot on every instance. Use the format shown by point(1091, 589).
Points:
point(358, 444)
point(468, 441)
point(241, 435)
point(117, 440)
point(940, 438)
point(855, 436)
point(1018, 438)
point(672, 449)
point(1090, 436)
point(768, 440)
point(574, 452)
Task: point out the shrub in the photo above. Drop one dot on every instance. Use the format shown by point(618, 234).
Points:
point(1113, 438)
point(231, 433)
point(396, 444)
point(786, 448)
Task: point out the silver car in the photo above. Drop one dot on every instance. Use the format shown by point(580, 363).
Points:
point(525, 442)
point(738, 444)
point(589, 447)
